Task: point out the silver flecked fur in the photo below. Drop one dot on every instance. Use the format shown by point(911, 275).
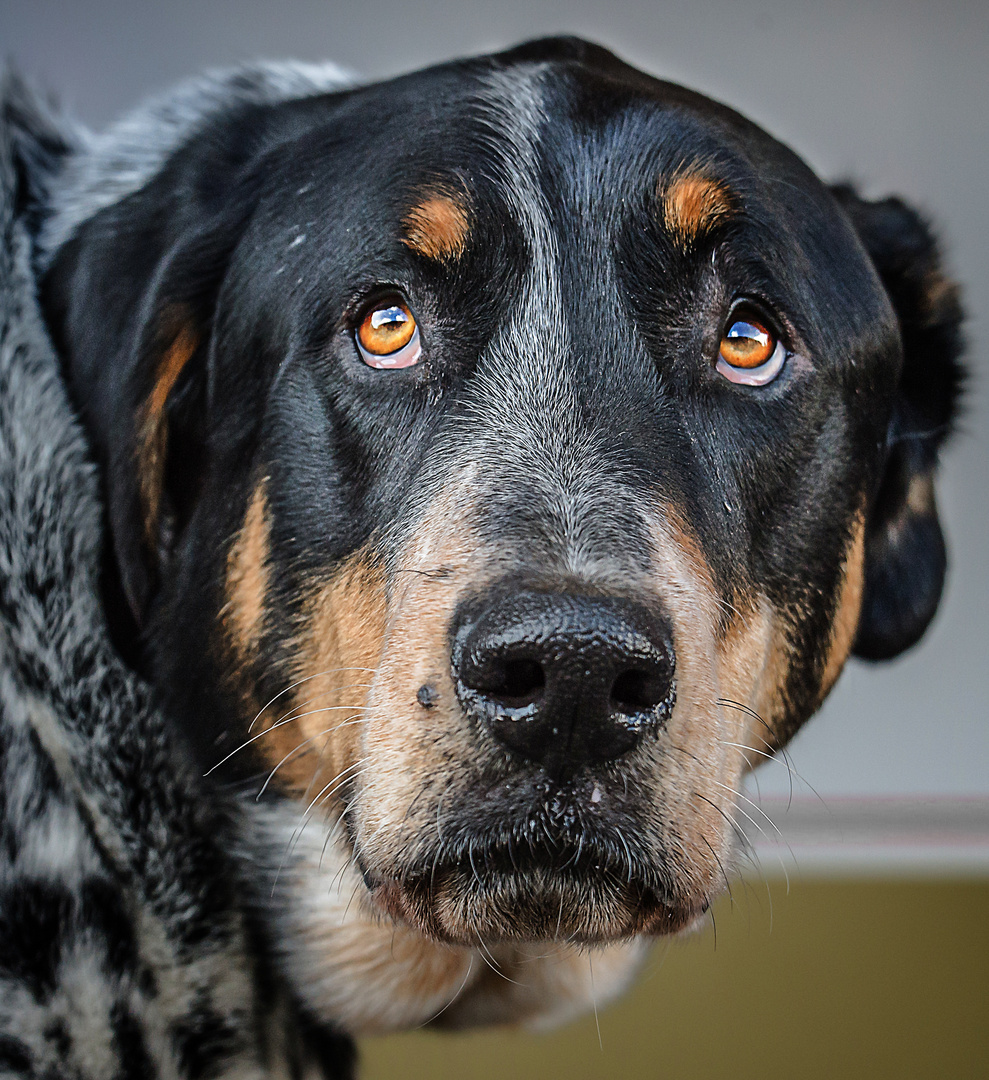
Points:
point(124, 942)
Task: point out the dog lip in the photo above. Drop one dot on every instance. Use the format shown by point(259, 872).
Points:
point(499, 884)
point(584, 858)
point(449, 904)
point(485, 859)
point(609, 892)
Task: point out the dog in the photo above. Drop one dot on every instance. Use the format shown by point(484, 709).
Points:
point(498, 462)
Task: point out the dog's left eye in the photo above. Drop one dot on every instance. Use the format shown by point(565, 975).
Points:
point(751, 352)
point(388, 336)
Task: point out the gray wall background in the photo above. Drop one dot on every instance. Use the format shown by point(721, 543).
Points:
point(893, 95)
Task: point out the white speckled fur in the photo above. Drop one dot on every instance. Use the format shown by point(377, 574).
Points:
point(125, 950)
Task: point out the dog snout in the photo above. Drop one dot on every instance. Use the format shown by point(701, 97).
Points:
point(564, 680)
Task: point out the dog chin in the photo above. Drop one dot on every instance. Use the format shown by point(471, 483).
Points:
point(460, 905)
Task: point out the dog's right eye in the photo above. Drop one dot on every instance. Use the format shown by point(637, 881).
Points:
point(751, 351)
point(388, 336)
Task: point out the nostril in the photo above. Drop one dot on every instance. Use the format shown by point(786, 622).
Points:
point(524, 681)
point(513, 683)
point(638, 691)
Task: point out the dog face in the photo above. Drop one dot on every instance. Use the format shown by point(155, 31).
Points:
point(523, 446)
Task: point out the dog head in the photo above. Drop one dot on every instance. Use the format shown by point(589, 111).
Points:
point(500, 461)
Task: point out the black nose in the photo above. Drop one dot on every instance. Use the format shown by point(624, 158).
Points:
point(564, 680)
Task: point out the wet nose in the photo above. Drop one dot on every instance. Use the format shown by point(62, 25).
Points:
point(564, 680)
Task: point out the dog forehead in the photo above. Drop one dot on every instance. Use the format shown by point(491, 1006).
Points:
point(484, 123)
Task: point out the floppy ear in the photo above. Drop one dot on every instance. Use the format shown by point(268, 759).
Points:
point(130, 299)
point(905, 552)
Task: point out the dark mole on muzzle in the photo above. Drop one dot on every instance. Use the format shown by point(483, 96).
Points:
point(563, 680)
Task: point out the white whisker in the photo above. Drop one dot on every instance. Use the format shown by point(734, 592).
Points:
point(458, 992)
point(287, 719)
point(351, 721)
point(594, 1001)
point(299, 682)
point(755, 806)
point(324, 693)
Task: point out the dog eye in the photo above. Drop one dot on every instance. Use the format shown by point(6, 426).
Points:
point(388, 336)
point(751, 352)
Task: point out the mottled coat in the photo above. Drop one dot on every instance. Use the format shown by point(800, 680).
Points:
point(126, 944)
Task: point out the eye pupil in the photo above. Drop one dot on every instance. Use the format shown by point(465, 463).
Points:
point(751, 352)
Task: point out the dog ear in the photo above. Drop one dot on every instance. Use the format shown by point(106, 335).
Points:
point(905, 552)
point(130, 300)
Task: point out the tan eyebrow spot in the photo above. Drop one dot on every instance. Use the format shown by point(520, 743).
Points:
point(247, 577)
point(694, 203)
point(152, 432)
point(437, 227)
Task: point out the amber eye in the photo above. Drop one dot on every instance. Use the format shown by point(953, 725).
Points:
point(750, 351)
point(388, 336)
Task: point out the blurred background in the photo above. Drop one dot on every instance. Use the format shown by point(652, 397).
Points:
point(858, 943)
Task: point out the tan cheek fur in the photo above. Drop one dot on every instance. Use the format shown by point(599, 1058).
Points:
point(755, 660)
point(754, 667)
point(247, 578)
point(311, 735)
point(338, 648)
point(697, 780)
point(849, 607)
point(414, 754)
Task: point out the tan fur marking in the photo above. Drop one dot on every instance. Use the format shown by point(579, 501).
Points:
point(152, 431)
point(247, 577)
point(338, 648)
point(437, 565)
point(437, 227)
point(693, 204)
point(754, 669)
point(849, 607)
point(695, 782)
